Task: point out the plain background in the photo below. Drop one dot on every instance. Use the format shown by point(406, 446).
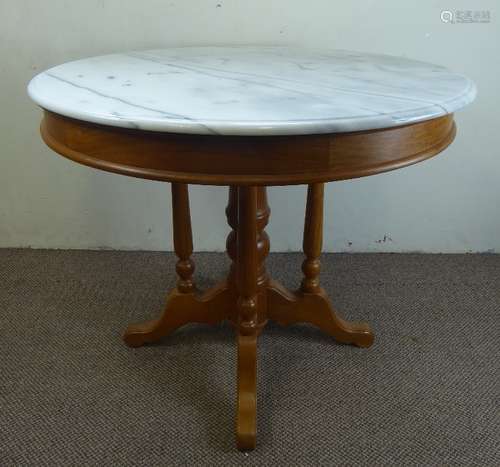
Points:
point(447, 204)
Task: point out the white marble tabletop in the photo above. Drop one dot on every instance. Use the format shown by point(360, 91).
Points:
point(250, 90)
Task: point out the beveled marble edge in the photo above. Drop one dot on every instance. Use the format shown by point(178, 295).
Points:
point(258, 128)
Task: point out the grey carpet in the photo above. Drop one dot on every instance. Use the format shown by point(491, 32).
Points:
point(71, 394)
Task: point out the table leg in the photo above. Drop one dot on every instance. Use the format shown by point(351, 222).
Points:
point(232, 220)
point(184, 303)
point(251, 306)
point(311, 304)
point(183, 237)
point(313, 238)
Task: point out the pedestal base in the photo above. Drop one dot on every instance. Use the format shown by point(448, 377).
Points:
point(248, 298)
point(219, 304)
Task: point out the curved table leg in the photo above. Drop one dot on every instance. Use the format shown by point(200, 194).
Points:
point(213, 306)
point(251, 315)
point(184, 303)
point(246, 411)
point(285, 308)
point(310, 304)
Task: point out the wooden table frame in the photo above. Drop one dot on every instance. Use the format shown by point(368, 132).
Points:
point(248, 298)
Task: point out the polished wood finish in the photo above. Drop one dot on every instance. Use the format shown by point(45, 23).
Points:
point(247, 298)
point(249, 318)
point(245, 160)
point(287, 308)
point(184, 304)
point(232, 220)
point(182, 308)
point(248, 245)
point(183, 237)
point(313, 237)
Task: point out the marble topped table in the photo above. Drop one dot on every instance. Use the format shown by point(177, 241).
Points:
point(248, 117)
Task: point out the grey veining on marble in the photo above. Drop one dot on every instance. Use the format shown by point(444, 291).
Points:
point(250, 90)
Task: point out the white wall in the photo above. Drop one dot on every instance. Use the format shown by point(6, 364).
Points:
point(447, 204)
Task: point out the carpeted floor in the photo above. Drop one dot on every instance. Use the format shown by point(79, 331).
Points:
point(71, 394)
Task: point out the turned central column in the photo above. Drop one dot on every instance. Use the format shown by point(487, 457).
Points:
point(247, 246)
point(262, 213)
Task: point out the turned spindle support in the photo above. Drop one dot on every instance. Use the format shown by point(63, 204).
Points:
point(313, 238)
point(184, 304)
point(232, 220)
point(183, 237)
point(262, 215)
point(311, 304)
